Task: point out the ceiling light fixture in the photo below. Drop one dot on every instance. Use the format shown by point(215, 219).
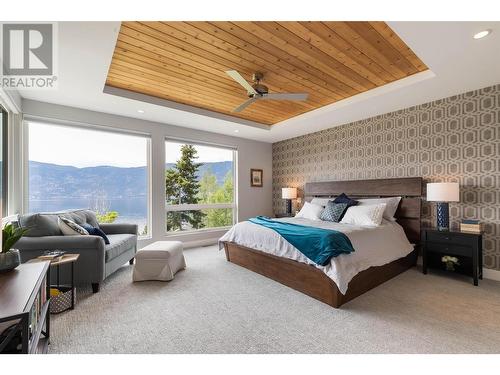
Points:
point(482, 34)
point(140, 110)
point(236, 131)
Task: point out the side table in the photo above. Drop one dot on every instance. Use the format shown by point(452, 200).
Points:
point(466, 246)
point(69, 259)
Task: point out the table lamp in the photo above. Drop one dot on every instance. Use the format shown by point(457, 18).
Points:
point(288, 194)
point(442, 193)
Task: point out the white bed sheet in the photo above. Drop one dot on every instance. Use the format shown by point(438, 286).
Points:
point(372, 246)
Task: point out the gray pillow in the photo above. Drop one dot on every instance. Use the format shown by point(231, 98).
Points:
point(40, 225)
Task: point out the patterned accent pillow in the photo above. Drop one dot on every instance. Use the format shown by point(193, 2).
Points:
point(333, 211)
point(70, 228)
point(342, 198)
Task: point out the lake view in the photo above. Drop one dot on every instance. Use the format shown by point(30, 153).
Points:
point(130, 210)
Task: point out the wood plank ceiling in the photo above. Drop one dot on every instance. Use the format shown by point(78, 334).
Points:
point(185, 62)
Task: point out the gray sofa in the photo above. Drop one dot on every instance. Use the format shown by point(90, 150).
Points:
point(97, 260)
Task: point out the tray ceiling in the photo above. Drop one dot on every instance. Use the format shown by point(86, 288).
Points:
point(185, 62)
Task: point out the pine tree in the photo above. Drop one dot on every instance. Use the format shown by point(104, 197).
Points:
point(182, 187)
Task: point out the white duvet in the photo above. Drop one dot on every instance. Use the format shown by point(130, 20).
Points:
point(372, 246)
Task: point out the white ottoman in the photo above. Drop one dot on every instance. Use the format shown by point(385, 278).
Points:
point(159, 261)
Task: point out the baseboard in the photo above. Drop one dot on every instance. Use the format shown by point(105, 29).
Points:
point(199, 243)
point(491, 274)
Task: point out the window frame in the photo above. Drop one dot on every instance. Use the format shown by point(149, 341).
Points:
point(199, 207)
point(96, 128)
point(5, 160)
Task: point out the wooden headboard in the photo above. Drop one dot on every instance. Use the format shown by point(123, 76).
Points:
point(409, 211)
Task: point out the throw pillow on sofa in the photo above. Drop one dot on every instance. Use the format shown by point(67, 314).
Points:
point(70, 228)
point(93, 231)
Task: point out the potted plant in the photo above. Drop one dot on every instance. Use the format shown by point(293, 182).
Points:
point(450, 262)
point(9, 257)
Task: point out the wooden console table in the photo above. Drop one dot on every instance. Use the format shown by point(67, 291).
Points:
point(24, 308)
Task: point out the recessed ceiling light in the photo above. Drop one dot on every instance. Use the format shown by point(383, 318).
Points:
point(140, 110)
point(482, 34)
point(236, 131)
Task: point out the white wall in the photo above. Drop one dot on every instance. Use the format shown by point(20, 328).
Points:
point(11, 100)
point(252, 201)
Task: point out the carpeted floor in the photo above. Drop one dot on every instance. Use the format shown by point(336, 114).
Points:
point(217, 307)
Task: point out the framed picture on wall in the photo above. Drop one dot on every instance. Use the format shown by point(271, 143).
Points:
point(256, 177)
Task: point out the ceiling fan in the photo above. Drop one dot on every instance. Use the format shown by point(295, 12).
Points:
point(258, 91)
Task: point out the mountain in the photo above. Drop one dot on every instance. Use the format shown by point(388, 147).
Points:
point(219, 169)
point(51, 181)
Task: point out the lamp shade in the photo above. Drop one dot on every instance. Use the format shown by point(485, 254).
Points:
point(443, 192)
point(289, 193)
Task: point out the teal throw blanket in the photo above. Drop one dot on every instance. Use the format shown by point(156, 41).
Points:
point(319, 245)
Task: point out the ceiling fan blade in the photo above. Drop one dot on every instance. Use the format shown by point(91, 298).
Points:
point(245, 104)
point(238, 78)
point(286, 96)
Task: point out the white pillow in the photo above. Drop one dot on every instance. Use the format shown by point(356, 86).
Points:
point(321, 201)
point(390, 210)
point(70, 228)
point(369, 215)
point(310, 211)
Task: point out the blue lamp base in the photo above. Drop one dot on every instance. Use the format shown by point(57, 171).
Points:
point(288, 207)
point(443, 216)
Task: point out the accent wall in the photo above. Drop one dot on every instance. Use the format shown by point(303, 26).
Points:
point(455, 139)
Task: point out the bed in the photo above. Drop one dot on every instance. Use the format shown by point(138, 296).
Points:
point(313, 280)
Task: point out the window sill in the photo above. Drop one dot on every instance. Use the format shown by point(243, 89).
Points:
point(195, 231)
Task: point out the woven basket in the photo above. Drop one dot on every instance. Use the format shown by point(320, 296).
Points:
point(62, 301)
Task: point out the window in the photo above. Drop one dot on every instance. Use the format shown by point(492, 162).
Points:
point(3, 159)
point(199, 186)
point(74, 167)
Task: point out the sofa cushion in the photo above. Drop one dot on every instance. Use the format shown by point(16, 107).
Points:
point(40, 225)
point(45, 224)
point(118, 244)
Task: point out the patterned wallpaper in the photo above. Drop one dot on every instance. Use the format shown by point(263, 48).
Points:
point(454, 139)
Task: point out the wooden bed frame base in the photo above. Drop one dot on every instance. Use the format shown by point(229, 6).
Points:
point(312, 281)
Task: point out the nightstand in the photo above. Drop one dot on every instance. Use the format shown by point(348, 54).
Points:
point(284, 214)
point(467, 247)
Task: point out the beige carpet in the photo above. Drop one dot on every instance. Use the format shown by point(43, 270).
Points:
point(217, 307)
